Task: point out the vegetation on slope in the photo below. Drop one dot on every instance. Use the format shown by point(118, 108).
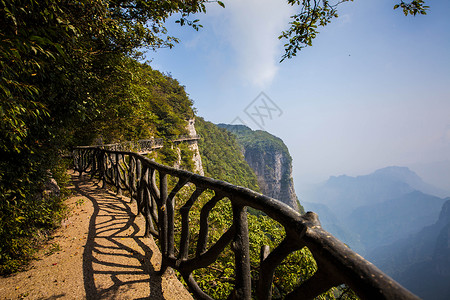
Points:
point(145, 104)
point(67, 65)
point(222, 157)
point(259, 143)
point(257, 139)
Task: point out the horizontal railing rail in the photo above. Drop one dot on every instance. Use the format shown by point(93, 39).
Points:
point(182, 138)
point(146, 145)
point(146, 182)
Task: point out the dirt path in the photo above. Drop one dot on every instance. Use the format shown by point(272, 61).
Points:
point(98, 253)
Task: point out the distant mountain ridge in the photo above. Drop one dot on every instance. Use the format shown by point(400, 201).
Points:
point(343, 194)
point(396, 220)
point(386, 222)
point(404, 174)
point(355, 209)
point(421, 262)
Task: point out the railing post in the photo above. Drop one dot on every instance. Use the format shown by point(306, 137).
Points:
point(162, 216)
point(117, 177)
point(240, 246)
point(264, 288)
point(103, 166)
point(132, 177)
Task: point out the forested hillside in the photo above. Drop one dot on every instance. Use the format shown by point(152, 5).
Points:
point(147, 104)
point(70, 74)
point(221, 156)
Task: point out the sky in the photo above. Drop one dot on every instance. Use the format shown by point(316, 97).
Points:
point(373, 90)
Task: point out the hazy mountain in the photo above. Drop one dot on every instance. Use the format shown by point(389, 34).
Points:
point(437, 172)
point(333, 225)
point(343, 194)
point(404, 174)
point(377, 209)
point(388, 221)
point(421, 262)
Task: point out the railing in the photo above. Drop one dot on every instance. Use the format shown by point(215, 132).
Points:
point(147, 145)
point(140, 146)
point(182, 138)
point(147, 183)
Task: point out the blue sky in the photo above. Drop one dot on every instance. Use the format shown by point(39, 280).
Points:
point(372, 91)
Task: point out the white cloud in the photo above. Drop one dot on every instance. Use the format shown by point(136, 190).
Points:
point(252, 28)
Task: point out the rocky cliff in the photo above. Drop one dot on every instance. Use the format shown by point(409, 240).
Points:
point(269, 158)
point(193, 145)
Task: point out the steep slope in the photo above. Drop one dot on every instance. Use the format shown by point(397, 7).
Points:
point(221, 156)
point(269, 157)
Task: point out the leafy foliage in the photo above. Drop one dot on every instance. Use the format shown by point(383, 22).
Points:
point(139, 103)
point(65, 65)
point(186, 155)
point(24, 223)
point(319, 13)
point(168, 155)
point(413, 8)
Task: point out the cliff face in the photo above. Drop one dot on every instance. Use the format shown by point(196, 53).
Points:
point(193, 145)
point(274, 172)
point(269, 158)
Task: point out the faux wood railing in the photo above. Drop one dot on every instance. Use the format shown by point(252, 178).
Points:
point(141, 146)
point(147, 145)
point(147, 183)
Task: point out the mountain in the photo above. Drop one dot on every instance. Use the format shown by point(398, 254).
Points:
point(333, 225)
point(269, 158)
point(388, 221)
point(404, 174)
point(437, 172)
point(343, 194)
point(373, 210)
point(222, 157)
point(421, 262)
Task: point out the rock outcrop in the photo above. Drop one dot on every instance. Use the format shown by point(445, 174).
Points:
point(193, 145)
point(269, 158)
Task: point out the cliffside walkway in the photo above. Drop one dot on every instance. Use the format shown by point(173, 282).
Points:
point(100, 252)
point(147, 183)
point(146, 146)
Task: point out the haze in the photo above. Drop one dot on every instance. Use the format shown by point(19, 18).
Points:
point(373, 90)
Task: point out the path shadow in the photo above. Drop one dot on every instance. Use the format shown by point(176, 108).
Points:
point(116, 260)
